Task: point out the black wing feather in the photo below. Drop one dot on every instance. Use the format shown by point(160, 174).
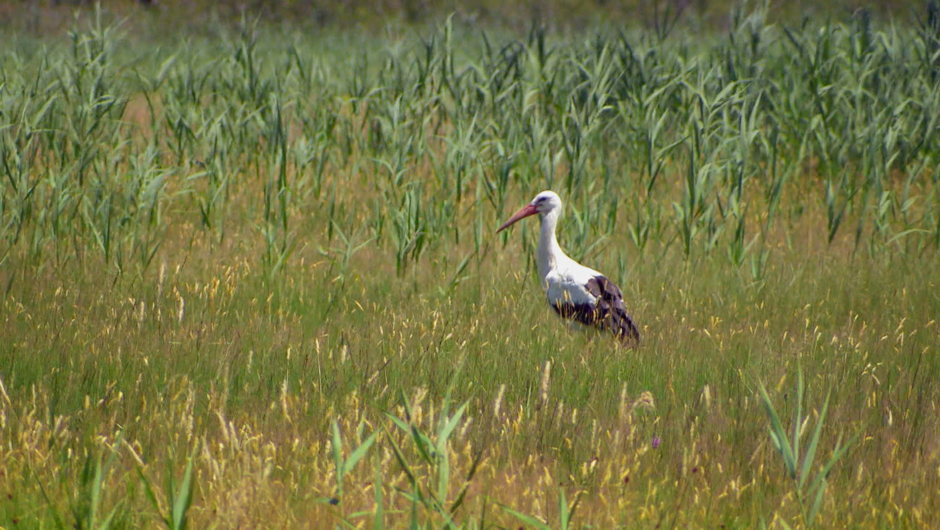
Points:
point(609, 312)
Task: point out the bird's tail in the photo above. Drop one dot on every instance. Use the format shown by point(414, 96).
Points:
point(628, 333)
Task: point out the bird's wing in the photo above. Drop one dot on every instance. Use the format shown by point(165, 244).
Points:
point(568, 288)
point(587, 296)
point(610, 312)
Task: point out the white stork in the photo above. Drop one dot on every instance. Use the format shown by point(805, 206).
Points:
point(574, 291)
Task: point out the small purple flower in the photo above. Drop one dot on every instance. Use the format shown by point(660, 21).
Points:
point(656, 442)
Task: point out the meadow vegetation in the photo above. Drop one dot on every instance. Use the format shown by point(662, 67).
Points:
point(252, 280)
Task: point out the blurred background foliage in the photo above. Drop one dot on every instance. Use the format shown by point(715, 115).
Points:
point(39, 16)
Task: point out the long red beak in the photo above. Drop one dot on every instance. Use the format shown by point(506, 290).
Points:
point(526, 211)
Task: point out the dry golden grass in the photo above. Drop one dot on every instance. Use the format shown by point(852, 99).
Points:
point(205, 355)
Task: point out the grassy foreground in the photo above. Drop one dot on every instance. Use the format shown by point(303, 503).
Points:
point(253, 282)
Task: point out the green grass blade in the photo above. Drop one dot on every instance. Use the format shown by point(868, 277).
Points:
point(152, 497)
point(527, 519)
point(819, 483)
point(379, 523)
point(449, 427)
point(184, 497)
point(798, 417)
point(95, 495)
point(779, 433)
point(563, 514)
point(337, 442)
point(477, 459)
point(422, 444)
point(817, 503)
point(106, 523)
point(840, 451)
point(399, 423)
point(402, 461)
point(443, 477)
point(357, 455)
point(813, 443)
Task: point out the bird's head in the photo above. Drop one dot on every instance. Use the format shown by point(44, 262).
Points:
point(543, 204)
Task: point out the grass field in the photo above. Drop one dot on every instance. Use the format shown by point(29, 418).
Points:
point(252, 280)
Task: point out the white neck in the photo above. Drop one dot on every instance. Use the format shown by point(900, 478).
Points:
point(549, 251)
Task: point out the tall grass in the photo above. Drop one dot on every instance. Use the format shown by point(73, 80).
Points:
point(253, 281)
point(844, 108)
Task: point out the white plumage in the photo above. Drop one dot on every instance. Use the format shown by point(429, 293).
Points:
point(575, 292)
